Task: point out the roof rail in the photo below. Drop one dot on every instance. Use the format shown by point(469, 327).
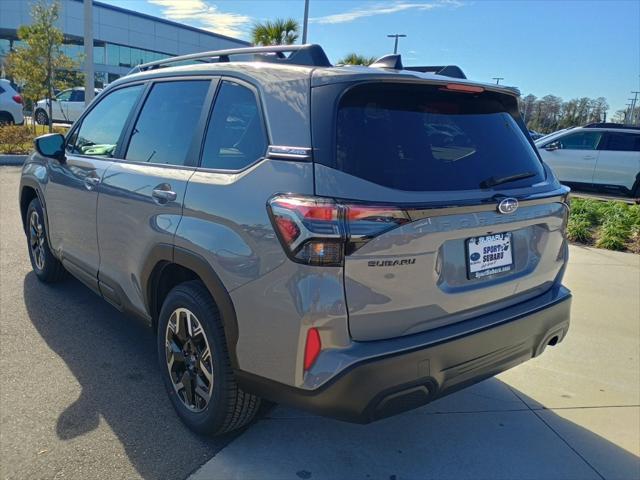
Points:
point(612, 125)
point(452, 71)
point(310, 55)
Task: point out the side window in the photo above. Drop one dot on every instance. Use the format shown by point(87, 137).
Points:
point(100, 130)
point(580, 141)
point(164, 130)
point(236, 136)
point(64, 96)
point(1, 90)
point(77, 96)
point(622, 142)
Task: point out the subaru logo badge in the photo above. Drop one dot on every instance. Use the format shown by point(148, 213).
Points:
point(508, 205)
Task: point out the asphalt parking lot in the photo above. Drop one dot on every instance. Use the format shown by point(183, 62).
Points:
point(81, 396)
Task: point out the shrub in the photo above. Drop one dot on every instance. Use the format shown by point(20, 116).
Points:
point(17, 139)
point(579, 229)
point(613, 235)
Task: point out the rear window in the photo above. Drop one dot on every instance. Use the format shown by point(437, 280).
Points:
point(420, 138)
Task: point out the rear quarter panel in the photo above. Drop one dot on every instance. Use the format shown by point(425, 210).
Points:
point(225, 221)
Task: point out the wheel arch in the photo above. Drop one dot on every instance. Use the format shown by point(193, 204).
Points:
point(168, 266)
point(28, 191)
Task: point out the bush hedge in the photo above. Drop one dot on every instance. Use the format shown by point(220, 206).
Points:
point(612, 225)
point(18, 139)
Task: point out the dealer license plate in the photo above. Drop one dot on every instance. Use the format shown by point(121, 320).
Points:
point(489, 255)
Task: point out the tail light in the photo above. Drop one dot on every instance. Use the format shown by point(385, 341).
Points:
point(321, 231)
point(17, 99)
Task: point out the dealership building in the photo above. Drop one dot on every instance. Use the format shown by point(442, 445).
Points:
point(121, 38)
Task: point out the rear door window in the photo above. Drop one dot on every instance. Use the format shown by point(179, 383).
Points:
point(622, 142)
point(77, 96)
point(420, 138)
point(236, 135)
point(101, 128)
point(165, 127)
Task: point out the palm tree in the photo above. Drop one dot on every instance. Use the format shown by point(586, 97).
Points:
point(277, 32)
point(356, 59)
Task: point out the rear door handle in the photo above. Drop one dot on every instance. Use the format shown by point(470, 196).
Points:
point(589, 157)
point(163, 194)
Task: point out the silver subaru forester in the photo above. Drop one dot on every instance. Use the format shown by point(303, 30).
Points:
point(353, 241)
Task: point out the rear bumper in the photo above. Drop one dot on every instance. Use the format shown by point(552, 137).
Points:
point(419, 368)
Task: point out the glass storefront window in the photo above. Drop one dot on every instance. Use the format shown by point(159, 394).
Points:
point(98, 54)
point(125, 56)
point(5, 46)
point(113, 54)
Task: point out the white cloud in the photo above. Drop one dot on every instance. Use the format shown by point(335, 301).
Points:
point(204, 15)
point(382, 9)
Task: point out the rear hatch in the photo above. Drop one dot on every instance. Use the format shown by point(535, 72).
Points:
point(463, 217)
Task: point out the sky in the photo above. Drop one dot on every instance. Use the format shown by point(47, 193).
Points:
point(568, 48)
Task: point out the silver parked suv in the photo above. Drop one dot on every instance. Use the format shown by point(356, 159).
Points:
point(354, 241)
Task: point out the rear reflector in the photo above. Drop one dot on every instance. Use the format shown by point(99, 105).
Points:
point(312, 348)
point(320, 231)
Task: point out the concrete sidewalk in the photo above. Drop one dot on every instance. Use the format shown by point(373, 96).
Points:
point(573, 412)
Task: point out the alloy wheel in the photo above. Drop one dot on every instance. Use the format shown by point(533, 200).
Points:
point(41, 118)
point(36, 239)
point(189, 359)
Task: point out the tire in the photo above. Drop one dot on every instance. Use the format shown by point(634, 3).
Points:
point(45, 265)
point(41, 117)
point(228, 407)
point(6, 118)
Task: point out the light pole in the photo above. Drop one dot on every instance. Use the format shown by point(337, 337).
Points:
point(497, 79)
point(88, 52)
point(305, 22)
point(396, 36)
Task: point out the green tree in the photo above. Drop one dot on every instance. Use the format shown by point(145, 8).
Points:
point(40, 64)
point(277, 32)
point(356, 59)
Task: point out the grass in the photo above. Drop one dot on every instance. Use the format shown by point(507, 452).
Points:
point(605, 224)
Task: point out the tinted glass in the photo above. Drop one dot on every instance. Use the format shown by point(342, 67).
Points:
point(419, 138)
point(101, 128)
point(98, 54)
point(236, 136)
point(165, 127)
point(622, 142)
point(1, 90)
point(113, 54)
point(580, 141)
point(77, 96)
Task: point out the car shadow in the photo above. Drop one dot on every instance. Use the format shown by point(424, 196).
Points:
point(113, 358)
point(476, 433)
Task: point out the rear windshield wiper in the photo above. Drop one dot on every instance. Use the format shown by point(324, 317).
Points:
point(493, 181)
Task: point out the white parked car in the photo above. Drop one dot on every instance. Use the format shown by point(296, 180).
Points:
point(600, 156)
point(66, 107)
point(10, 104)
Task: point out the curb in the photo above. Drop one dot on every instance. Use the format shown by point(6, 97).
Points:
point(12, 159)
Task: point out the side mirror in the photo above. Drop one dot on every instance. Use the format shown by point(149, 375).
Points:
point(51, 145)
point(552, 146)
